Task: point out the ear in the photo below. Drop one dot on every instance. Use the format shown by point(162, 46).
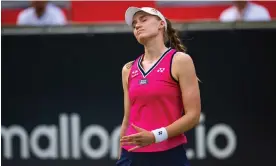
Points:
point(162, 24)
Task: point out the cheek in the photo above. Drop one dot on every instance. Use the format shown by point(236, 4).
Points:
point(135, 33)
point(153, 27)
point(153, 30)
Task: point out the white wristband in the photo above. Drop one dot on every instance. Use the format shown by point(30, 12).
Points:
point(160, 134)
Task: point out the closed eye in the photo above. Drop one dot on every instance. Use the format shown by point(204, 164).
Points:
point(141, 19)
point(133, 24)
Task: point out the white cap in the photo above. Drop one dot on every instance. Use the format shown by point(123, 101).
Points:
point(130, 12)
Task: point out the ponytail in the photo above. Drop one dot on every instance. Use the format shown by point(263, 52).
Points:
point(173, 39)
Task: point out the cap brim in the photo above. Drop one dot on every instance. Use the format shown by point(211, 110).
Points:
point(130, 13)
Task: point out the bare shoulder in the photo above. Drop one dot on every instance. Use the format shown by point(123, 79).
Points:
point(182, 59)
point(129, 64)
point(183, 65)
point(127, 67)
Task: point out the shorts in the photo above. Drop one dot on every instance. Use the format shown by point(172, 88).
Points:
point(172, 157)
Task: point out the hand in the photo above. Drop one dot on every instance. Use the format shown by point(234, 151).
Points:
point(140, 139)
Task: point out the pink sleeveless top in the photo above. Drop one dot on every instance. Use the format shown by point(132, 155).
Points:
point(155, 100)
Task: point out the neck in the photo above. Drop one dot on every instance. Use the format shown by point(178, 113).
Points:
point(40, 11)
point(241, 6)
point(154, 49)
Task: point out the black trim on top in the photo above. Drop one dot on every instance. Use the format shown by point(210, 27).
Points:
point(171, 66)
point(156, 63)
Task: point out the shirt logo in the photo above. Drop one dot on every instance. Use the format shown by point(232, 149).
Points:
point(134, 73)
point(143, 81)
point(161, 70)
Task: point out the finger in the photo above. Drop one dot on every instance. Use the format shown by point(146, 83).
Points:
point(132, 142)
point(131, 137)
point(132, 149)
point(129, 143)
point(125, 139)
point(139, 129)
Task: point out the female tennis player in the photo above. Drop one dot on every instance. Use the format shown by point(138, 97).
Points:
point(161, 95)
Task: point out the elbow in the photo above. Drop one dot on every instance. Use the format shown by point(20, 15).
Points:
point(196, 122)
point(196, 118)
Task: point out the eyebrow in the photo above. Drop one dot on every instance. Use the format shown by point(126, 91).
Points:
point(141, 17)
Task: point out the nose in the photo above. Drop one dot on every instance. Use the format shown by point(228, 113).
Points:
point(138, 26)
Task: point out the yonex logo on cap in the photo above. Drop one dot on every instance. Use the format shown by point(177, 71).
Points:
point(154, 10)
point(160, 132)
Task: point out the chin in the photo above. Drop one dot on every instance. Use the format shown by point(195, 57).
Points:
point(143, 38)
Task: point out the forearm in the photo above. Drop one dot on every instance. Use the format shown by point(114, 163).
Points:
point(183, 124)
point(122, 133)
point(123, 129)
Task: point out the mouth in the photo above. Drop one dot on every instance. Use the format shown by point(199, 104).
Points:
point(139, 32)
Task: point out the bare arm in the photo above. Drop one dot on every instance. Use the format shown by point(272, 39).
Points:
point(125, 74)
point(183, 70)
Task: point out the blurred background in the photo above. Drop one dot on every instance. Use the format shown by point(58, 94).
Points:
point(62, 98)
point(79, 12)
